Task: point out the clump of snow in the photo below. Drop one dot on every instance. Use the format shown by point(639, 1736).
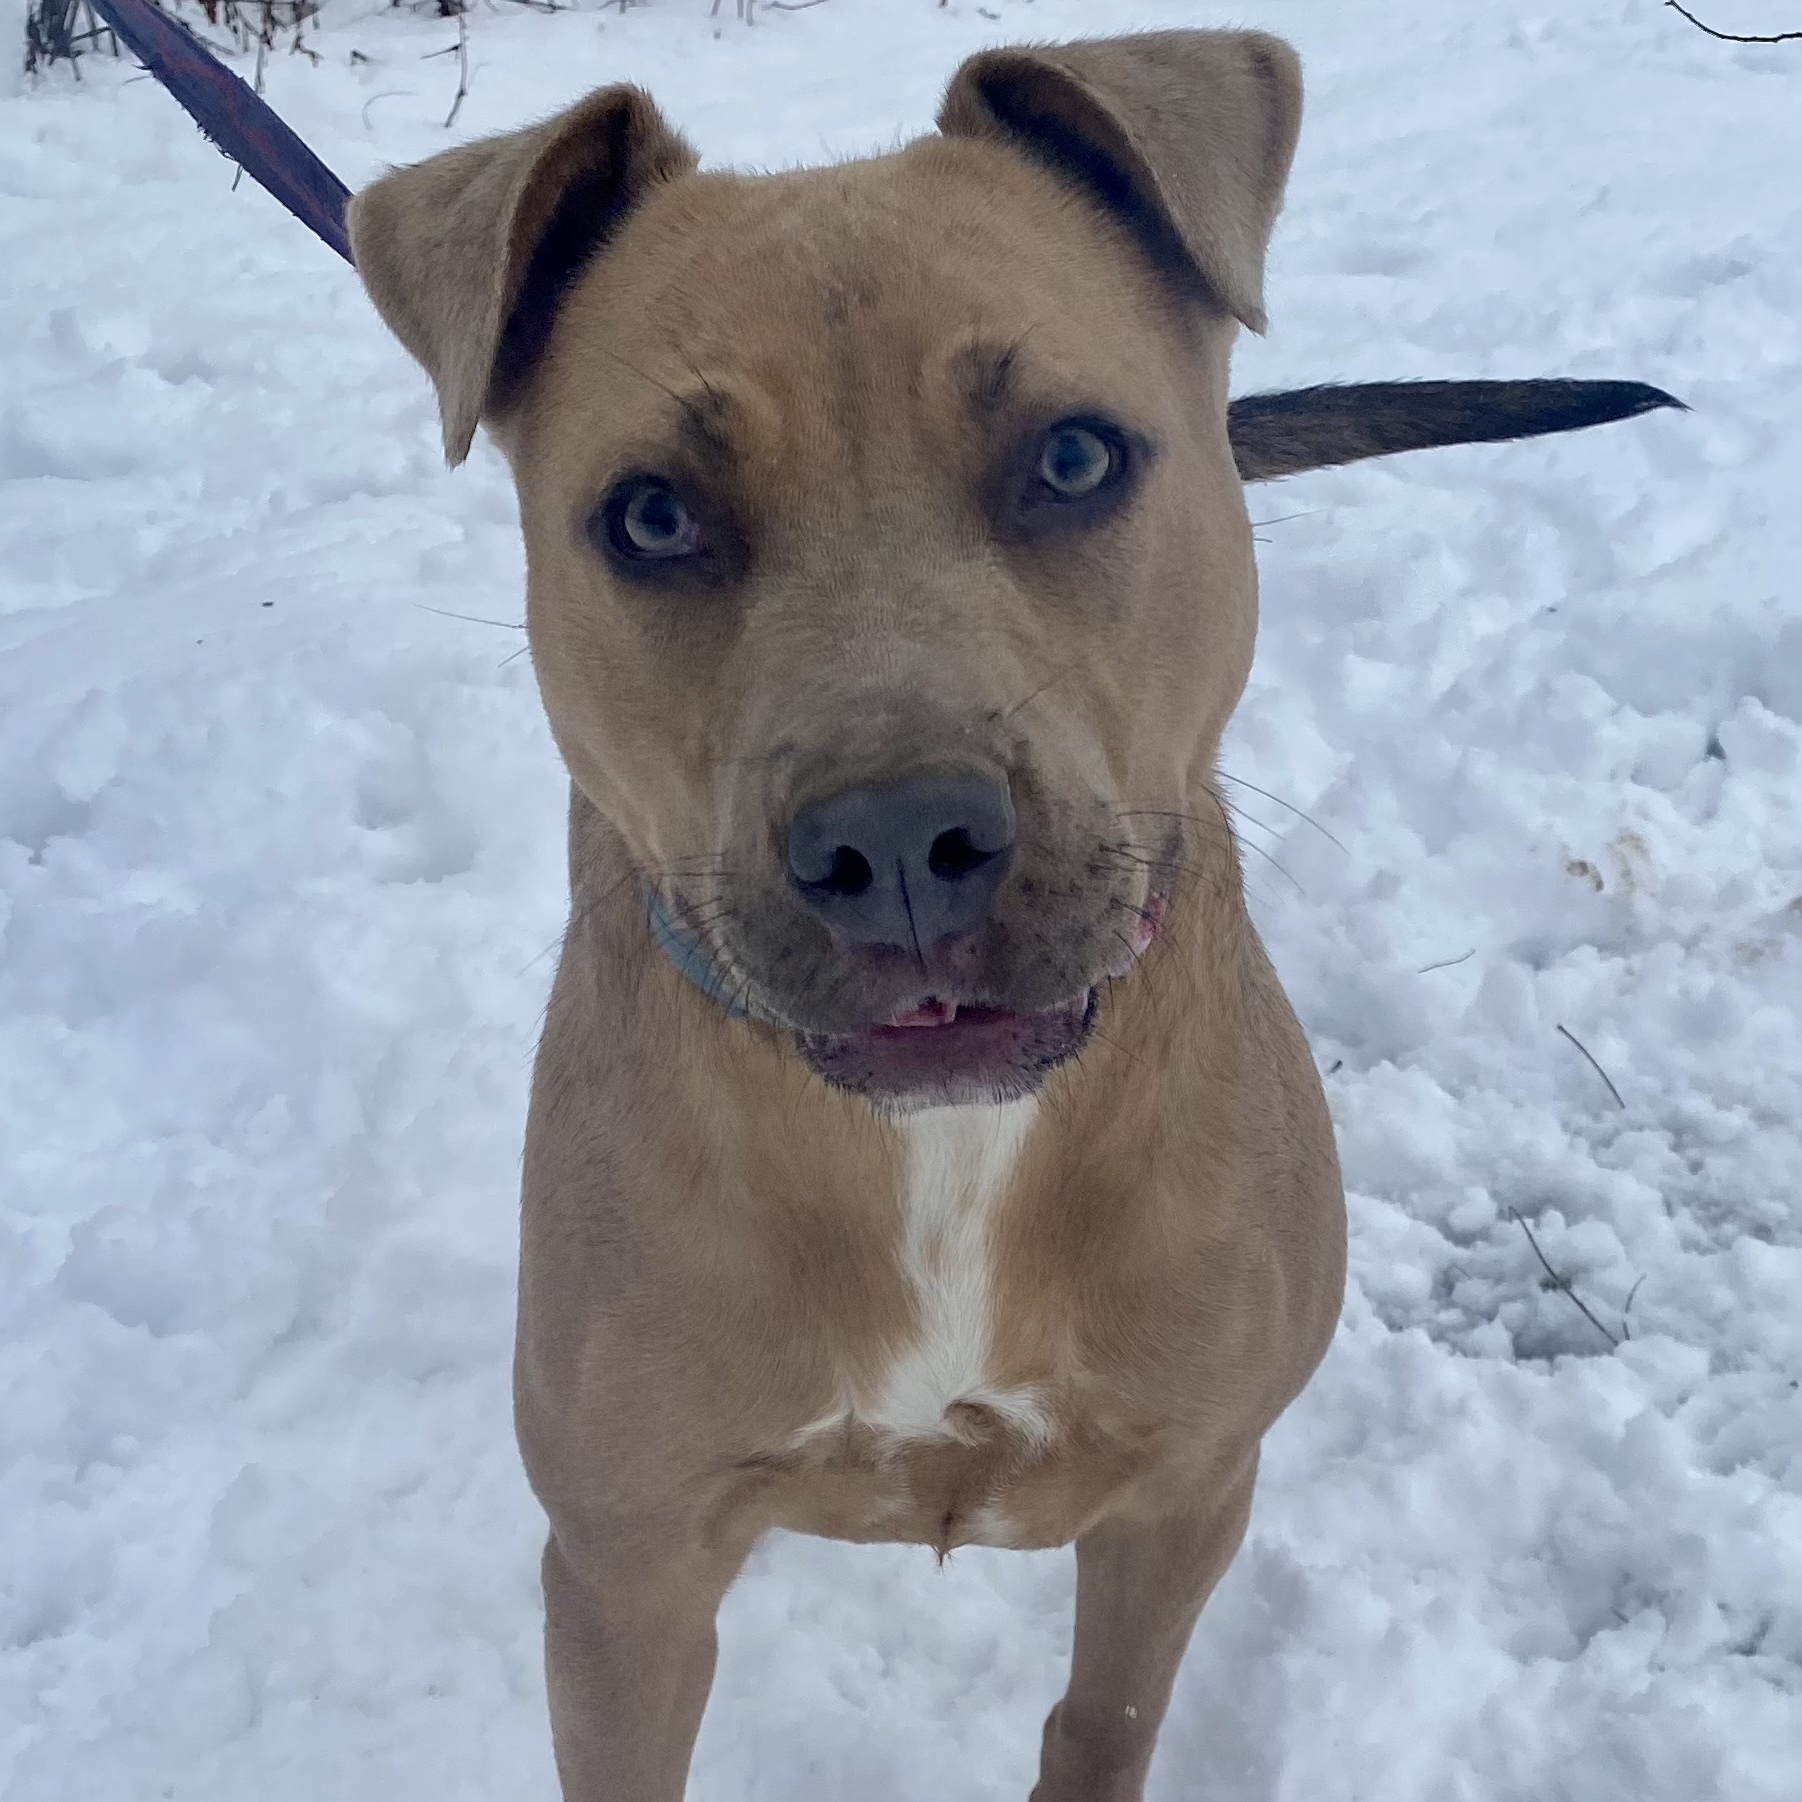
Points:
point(280, 876)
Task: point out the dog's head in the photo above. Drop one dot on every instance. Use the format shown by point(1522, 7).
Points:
point(890, 580)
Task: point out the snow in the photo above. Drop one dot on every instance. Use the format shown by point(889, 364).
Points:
point(280, 874)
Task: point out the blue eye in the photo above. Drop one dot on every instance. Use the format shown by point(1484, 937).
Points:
point(1077, 461)
point(647, 521)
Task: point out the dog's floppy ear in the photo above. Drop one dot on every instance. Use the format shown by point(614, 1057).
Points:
point(467, 255)
point(1186, 135)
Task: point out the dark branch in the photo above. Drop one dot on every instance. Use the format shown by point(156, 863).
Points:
point(1733, 37)
point(462, 70)
point(1597, 1068)
point(1562, 1283)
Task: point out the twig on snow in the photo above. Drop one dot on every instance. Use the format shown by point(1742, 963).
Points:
point(1597, 1068)
point(747, 9)
point(1561, 1283)
point(1627, 1306)
point(385, 94)
point(1734, 37)
point(1445, 963)
point(450, 118)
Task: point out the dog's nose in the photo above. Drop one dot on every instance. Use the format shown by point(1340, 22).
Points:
point(906, 864)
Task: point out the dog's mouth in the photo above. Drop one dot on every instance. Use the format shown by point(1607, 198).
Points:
point(938, 1050)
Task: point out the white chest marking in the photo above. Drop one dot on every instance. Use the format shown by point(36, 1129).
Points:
point(959, 1160)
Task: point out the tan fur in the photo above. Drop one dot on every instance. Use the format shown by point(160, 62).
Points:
point(724, 1270)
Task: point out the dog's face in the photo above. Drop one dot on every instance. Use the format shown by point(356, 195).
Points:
point(890, 580)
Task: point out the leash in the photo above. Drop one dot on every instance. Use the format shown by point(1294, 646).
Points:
point(233, 116)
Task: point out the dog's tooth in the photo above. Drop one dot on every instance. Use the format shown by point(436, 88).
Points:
point(930, 1012)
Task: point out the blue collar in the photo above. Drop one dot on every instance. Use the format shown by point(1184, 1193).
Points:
point(689, 955)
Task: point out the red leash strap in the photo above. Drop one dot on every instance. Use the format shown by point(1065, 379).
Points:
point(233, 116)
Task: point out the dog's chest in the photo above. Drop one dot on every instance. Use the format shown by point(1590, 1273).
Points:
point(986, 1424)
point(960, 1163)
point(933, 1401)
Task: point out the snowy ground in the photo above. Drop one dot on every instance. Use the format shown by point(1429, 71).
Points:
point(280, 872)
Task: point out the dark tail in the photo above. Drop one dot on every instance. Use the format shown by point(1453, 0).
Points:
point(1313, 428)
point(236, 118)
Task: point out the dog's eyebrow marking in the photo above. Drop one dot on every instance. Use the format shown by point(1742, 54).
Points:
point(706, 415)
point(703, 410)
point(992, 373)
point(703, 426)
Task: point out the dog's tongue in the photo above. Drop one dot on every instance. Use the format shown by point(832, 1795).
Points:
point(930, 1012)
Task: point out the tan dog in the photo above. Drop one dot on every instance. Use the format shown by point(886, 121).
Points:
point(921, 1147)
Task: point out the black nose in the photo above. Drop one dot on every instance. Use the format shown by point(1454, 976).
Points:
point(907, 864)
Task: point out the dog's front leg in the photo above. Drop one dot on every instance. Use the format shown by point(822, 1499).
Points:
point(629, 1655)
point(1140, 1584)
